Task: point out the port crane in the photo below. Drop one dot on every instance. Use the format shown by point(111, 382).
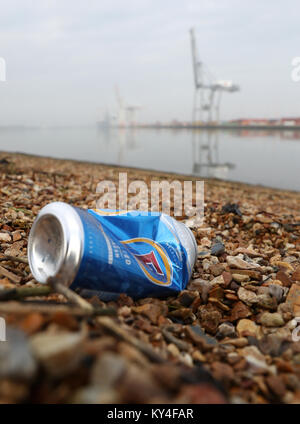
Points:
point(121, 119)
point(131, 114)
point(126, 112)
point(208, 90)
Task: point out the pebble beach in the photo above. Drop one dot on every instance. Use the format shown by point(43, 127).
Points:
point(229, 337)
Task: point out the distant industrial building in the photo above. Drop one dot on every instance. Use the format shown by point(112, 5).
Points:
point(285, 122)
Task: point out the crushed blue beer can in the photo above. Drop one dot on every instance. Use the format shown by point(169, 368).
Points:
point(110, 252)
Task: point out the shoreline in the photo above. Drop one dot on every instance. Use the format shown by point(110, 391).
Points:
point(31, 158)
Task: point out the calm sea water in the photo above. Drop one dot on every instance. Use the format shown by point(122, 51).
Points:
point(265, 158)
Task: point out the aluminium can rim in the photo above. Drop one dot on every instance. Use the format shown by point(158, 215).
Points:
point(55, 244)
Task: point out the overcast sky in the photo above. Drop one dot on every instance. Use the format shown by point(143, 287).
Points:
point(65, 57)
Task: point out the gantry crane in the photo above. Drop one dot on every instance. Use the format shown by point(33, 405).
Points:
point(131, 114)
point(208, 90)
point(121, 119)
point(126, 112)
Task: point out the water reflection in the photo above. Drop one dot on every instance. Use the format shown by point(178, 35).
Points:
point(282, 134)
point(205, 150)
point(124, 138)
point(253, 156)
point(260, 156)
point(206, 161)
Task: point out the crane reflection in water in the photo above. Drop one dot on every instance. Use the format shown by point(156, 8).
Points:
point(204, 153)
point(124, 138)
point(205, 150)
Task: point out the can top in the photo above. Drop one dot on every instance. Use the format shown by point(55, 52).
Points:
point(55, 243)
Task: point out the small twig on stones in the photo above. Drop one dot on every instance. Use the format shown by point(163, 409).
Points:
point(14, 259)
point(15, 271)
point(123, 335)
point(13, 277)
point(23, 292)
point(69, 294)
point(26, 307)
point(77, 300)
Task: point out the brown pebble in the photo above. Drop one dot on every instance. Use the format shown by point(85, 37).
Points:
point(216, 269)
point(293, 299)
point(240, 310)
point(32, 323)
point(255, 275)
point(149, 310)
point(16, 235)
point(240, 342)
point(284, 278)
point(296, 274)
point(276, 385)
point(209, 317)
point(246, 327)
point(227, 277)
point(200, 394)
point(65, 320)
point(223, 372)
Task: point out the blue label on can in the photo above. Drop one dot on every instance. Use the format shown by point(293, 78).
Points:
point(132, 253)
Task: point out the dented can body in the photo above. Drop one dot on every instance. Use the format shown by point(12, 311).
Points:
point(137, 253)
